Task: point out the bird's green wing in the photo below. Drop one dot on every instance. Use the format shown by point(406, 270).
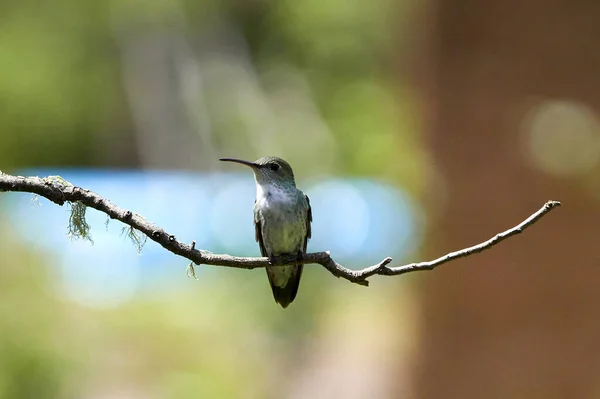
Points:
point(308, 222)
point(258, 233)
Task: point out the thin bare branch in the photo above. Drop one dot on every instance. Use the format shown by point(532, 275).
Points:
point(60, 192)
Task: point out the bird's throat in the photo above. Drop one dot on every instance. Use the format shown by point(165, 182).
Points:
point(268, 195)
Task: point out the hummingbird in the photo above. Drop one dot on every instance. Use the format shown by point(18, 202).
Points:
point(282, 218)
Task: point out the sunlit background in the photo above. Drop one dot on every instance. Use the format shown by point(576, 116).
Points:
point(416, 128)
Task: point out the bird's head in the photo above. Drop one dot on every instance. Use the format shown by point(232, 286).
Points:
point(268, 170)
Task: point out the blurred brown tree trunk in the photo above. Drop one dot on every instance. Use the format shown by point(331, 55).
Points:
point(519, 321)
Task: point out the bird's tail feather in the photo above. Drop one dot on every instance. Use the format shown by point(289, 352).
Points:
point(285, 295)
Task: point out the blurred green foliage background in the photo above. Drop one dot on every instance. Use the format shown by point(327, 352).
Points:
point(68, 97)
point(129, 84)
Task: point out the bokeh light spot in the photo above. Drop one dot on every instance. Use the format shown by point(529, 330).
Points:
point(228, 212)
point(346, 222)
point(562, 138)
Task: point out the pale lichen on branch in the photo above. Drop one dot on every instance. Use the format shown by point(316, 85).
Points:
point(59, 191)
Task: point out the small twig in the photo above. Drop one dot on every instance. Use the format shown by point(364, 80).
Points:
point(518, 229)
point(61, 192)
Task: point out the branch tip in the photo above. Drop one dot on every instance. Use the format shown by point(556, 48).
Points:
point(385, 262)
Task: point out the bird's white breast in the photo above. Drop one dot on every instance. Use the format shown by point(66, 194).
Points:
point(283, 214)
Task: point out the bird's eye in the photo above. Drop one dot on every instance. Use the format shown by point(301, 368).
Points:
point(274, 166)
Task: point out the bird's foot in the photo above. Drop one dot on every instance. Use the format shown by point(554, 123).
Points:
point(300, 255)
point(272, 259)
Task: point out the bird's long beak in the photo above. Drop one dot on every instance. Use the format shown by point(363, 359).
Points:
point(247, 163)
